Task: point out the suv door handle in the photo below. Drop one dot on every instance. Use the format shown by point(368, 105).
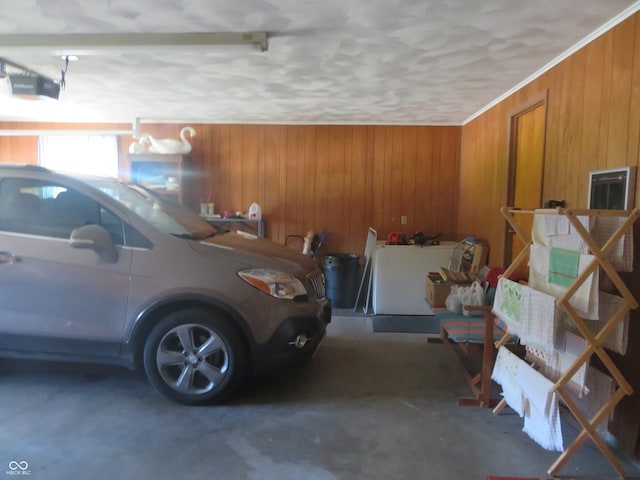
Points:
point(7, 258)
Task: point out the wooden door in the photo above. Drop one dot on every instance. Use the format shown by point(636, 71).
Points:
point(526, 170)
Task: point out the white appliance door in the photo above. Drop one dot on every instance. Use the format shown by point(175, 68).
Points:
point(399, 274)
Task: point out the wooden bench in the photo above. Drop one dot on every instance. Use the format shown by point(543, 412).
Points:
point(472, 340)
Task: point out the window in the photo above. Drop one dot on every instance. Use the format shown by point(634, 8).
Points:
point(48, 209)
point(612, 189)
point(90, 154)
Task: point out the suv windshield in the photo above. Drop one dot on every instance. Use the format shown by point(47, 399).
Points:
point(165, 215)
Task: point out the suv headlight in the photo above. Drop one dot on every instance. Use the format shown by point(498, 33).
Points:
point(275, 283)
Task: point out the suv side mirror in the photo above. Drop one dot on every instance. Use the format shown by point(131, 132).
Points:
point(95, 238)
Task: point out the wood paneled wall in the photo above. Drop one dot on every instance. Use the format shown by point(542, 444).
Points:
point(340, 178)
point(344, 179)
point(593, 122)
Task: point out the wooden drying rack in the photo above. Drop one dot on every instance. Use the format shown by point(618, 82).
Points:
point(594, 342)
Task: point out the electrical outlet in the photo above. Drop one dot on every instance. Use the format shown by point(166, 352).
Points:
point(403, 219)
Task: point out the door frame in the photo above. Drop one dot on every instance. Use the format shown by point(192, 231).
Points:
point(537, 100)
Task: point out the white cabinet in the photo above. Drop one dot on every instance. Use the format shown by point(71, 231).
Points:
point(399, 273)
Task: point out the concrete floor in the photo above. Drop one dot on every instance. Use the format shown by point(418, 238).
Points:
point(370, 406)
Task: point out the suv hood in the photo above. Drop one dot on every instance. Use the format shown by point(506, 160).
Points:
point(257, 252)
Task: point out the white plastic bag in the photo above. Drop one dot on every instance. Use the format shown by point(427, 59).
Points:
point(472, 295)
point(452, 301)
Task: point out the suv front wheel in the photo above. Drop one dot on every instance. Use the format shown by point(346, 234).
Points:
point(194, 357)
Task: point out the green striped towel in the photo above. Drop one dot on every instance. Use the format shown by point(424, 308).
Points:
point(563, 266)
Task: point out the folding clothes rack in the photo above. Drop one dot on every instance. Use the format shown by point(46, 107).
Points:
point(594, 342)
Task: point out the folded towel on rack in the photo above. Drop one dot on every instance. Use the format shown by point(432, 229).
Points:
point(573, 347)
point(549, 231)
point(621, 255)
point(505, 373)
point(542, 410)
point(539, 258)
point(600, 388)
point(585, 300)
point(556, 225)
point(617, 341)
point(552, 363)
point(563, 266)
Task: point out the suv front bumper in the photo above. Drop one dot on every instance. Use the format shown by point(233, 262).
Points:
point(295, 341)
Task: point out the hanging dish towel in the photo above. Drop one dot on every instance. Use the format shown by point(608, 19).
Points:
point(507, 303)
point(618, 339)
point(542, 411)
point(505, 373)
point(555, 225)
point(600, 388)
point(563, 266)
point(549, 231)
point(540, 315)
point(621, 255)
point(585, 300)
point(539, 258)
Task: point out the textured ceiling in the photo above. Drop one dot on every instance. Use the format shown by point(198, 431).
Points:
point(329, 61)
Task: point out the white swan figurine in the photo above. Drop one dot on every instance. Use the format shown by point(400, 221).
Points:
point(171, 145)
point(141, 146)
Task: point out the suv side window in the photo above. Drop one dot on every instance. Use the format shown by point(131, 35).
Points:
point(43, 208)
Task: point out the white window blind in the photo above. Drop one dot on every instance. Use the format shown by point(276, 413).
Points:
point(91, 154)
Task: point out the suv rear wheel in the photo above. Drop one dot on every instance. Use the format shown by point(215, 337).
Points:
point(194, 357)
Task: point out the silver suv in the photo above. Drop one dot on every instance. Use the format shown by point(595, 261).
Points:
point(102, 270)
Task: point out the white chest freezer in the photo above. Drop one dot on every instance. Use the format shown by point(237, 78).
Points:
point(399, 273)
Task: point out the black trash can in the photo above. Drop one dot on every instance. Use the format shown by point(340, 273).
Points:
point(341, 271)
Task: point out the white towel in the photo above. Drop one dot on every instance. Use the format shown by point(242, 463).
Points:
point(542, 414)
point(618, 339)
point(585, 300)
point(621, 255)
point(574, 345)
point(539, 259)
point(600, 390)
point(539, 316)
point(505, 372)
point(553, 362)
point(557, 225)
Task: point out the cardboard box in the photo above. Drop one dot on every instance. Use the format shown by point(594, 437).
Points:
point(436, 290)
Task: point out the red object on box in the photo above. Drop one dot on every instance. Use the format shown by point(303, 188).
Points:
point(494, 274)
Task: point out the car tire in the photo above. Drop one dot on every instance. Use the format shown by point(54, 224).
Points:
point(194, 357)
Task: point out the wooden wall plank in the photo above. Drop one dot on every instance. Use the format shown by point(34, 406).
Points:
point(592, 108)
point(396, 161)
point(607, 69)
point(409, 199)
point(250, 168)
point(321, 204)
point(619, 109)
point(633, 147)
point(378, 202)
point(308, 180)
point(575, 178)
point(423, 211)
point(359, 193)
